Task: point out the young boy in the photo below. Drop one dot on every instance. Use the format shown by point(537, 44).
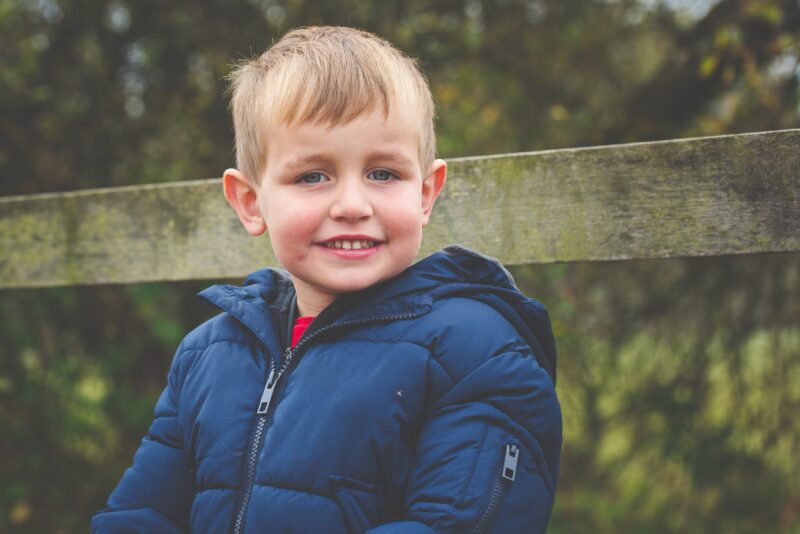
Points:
point(355, 392)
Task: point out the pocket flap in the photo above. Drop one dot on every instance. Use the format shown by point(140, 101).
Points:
point(360, 502)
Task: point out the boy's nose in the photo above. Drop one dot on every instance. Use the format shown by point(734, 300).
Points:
point(351, 202)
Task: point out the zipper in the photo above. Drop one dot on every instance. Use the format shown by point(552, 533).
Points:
point(270, 388)
point(501, 484)
point(255, 445)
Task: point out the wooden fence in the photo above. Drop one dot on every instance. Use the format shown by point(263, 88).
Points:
point(735, 194)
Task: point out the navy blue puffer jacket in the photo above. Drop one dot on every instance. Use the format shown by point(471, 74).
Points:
point(423, 404)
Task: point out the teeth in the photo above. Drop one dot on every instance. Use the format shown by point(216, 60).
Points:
point(350, 245)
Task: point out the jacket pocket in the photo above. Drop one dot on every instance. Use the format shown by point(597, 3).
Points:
point(506, 473)
point(361, 503)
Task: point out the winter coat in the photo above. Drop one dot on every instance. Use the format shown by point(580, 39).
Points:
point(423, 404)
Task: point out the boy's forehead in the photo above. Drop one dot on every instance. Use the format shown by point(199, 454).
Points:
point(392, 138)
point(378, 117)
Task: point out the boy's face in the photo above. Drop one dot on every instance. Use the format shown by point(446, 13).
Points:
point(344, 206)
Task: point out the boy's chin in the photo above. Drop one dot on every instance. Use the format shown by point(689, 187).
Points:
point(353, 284)
point(315, 293)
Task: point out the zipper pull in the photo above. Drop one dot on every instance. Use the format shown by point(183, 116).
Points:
point(269, 389)
point(510, 462)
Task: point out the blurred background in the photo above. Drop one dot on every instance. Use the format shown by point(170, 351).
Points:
point(680, 378)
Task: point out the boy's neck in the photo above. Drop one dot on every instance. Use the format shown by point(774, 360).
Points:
point(309, 311)
point(310, 302)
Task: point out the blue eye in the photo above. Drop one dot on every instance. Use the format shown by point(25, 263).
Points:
point(313, 178)
point(381, 175)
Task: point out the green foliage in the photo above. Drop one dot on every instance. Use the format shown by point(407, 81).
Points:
point(80, 371)
point(679, 413)
point(679, 378)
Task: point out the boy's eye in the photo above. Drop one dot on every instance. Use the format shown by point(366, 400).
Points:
point(312, 178)
point(381, 175)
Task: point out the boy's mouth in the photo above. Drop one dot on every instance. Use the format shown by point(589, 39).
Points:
point(350, 244)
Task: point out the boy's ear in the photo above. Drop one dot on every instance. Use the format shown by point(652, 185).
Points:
point(243, 198)
point(431, 187)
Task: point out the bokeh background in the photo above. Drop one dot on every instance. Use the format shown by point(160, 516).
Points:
point(679, 378)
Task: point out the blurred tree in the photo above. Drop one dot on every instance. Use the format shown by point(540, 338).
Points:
point(679, 378)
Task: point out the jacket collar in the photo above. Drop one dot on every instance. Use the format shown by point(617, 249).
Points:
point(263, 303)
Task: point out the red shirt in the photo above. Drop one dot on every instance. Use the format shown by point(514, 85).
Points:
point(300, 326)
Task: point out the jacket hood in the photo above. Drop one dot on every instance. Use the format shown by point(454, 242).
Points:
point(453, 271)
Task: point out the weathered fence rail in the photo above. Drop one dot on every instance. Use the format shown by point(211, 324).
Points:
point(734, 194)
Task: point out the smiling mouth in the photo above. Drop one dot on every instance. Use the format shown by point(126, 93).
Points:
point(350, 244)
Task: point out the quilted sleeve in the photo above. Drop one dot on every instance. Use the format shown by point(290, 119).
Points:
point(155, 493)
point(488, 454)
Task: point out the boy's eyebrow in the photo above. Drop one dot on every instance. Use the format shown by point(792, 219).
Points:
point(390, 155)
point(306, 159)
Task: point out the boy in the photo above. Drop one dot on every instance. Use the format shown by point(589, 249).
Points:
point(355, 392)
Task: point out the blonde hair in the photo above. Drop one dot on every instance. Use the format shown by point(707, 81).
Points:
point(327, 75)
